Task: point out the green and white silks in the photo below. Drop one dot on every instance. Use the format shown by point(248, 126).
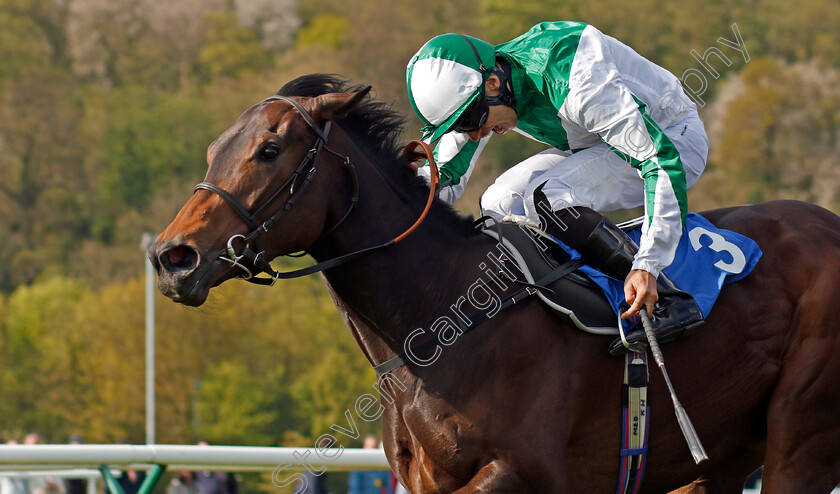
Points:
point(578, 89)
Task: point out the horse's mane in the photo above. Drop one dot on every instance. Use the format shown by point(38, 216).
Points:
point(377, 129)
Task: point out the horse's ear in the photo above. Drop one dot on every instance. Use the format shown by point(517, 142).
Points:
point(337, 105)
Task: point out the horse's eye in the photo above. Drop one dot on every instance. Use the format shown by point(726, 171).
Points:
point(269, 152)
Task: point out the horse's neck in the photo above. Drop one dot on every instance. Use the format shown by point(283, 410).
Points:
point(386, 294)
point(392, 293)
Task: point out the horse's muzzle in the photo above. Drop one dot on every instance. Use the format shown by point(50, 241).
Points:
point(181, 275)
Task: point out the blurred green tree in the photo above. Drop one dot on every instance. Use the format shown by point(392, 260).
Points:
point(44, 352)
point(234, 407)
point(774, 132)
point(232, 50)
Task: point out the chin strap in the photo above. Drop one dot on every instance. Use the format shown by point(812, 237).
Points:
point(505, 97)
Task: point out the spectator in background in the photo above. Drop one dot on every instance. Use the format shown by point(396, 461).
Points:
point(370, 481)
point(75, 486)
point(184, 483)
point(13, 485)
point(41, 485)
point(32, 439)
point(130, 481)
point(315, 484)
point(216, 482)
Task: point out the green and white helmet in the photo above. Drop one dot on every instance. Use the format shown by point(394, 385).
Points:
point(444, 77)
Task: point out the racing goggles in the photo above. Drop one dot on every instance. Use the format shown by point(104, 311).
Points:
point(474, 117)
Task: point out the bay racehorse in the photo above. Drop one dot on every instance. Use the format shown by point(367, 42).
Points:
point(525, 402)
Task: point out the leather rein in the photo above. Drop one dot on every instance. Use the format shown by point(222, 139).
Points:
point(251, 260)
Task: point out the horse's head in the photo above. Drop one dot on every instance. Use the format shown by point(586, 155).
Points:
point(258, 169)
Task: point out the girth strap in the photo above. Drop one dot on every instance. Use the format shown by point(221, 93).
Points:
point(635, 422)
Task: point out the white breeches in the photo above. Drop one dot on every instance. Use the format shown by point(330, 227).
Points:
point(595, 177)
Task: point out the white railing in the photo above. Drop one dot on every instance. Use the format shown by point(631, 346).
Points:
point(232, 458)
point(69, 461)
point(52, 460)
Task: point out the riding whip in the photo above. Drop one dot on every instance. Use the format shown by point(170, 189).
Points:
point(687, 428)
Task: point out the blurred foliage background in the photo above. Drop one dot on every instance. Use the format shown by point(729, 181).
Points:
point(107, 107)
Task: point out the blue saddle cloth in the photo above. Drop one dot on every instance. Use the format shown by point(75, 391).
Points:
point(707, 258)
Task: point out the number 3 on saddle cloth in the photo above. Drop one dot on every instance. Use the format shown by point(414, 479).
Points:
point(706, 259)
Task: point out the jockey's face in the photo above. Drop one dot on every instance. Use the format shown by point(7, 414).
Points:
point(500, 119)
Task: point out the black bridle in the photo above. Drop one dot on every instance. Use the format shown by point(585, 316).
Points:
point(251, 253)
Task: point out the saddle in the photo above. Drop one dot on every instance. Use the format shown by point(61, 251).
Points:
point(532, 255)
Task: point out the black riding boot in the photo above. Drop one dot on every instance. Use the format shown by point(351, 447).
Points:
point(608, 249)
point(675, 314)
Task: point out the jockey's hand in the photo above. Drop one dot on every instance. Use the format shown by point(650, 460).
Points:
point(414, 165)
point(640, 290)
point(415, 161)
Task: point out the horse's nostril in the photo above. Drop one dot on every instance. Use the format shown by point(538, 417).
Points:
point(177, 254)
point(179, 258)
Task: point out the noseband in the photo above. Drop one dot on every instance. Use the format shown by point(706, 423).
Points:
point(253, 255)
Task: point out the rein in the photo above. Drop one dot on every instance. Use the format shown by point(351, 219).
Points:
point(251, 251)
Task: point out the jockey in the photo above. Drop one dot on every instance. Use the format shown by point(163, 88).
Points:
point(622, 133)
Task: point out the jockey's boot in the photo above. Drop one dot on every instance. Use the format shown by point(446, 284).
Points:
point(605, 247)
point(675, 314)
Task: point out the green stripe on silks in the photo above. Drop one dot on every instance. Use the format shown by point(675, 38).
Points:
point(667, 158)
point(452, 171)
point(454, 47)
